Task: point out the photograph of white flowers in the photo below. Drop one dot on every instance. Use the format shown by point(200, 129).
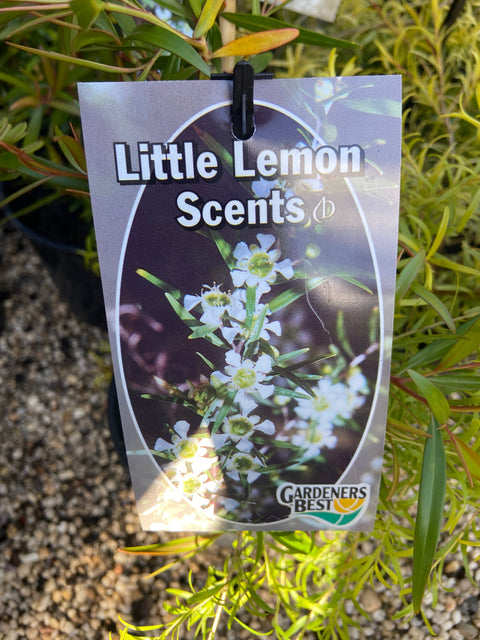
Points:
point(250, 352)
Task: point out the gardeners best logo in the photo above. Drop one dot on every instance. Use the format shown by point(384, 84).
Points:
point(336, 504)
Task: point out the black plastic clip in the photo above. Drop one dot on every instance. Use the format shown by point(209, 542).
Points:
point(243, 123)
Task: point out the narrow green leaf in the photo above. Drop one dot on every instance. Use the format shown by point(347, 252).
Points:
point(292, 354)
point(169, 41)
point(470, 457)
point(308, 362)
point(250, 306)
point(207, 17)
point(86, 11)
point(90, 64)
point(427, 624)
point(290, 295)
point(408, 275)
point(465, 346)
point(94, 37)
point(179, 545)
point(20, 82)
point(440, 233)
point(158, 572)
point(13, 134)
point(105, 23)
point(446, 263)
point(261, 61)
point(436, 304)
point(348, 278)
point(224, 248)
point(432, 394)
point(342, 336)
point(431, 500)
point(431, 353)
point(196, 6)
point(181, 312)
point(19, 193)
point(222, 414)
point(173, 398)
point(217, 148)
point(203, 331)
point(72, 150)
point(297, 626)
point(290, 393)
point(67, 107)
point(469, 212)
point(312, 377)
point(403, 613)
point(164, 286)
point(205, 594)
point(284, 299)
point(293, 378)
point(305, 36)
point(468, 405)
point(34, 128)
point(125, 23)
point(466, 382)
point(181, 593)
point(254, 632)
point(128, 625)
point(296, 541)
point(189, 319)
point(207, 361)
point(258, 326)
point(265, 347)
point(262, 606)
point(260, 546)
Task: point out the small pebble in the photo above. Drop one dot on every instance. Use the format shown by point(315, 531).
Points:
point(369, 600)
point(468, 631)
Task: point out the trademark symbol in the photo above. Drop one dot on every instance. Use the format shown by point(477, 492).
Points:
point(324, 209)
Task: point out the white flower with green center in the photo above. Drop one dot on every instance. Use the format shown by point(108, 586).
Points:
point(243, 465)
point(216, 304)
point(258, 266)
point(240, 427)
point(198, 488)
point(190, 452)
point(313, 440)
point(237, 330)
point(246, 377)
point(328, 401)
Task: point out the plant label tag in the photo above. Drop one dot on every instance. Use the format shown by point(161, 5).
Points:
point(320, 9)
point(249, 290)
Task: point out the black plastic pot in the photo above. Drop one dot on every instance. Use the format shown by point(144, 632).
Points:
point(58, 235)
point(79, 287)
point(115, 424)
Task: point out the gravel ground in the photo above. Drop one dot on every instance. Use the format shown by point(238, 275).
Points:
point(65, 500)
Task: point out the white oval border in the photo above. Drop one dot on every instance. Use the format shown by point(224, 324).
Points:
point(373, 254)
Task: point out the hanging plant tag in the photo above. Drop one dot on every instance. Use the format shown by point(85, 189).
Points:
point(321, 9)
point(249, 288)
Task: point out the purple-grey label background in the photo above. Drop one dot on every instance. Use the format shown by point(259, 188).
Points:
point(132, 112)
